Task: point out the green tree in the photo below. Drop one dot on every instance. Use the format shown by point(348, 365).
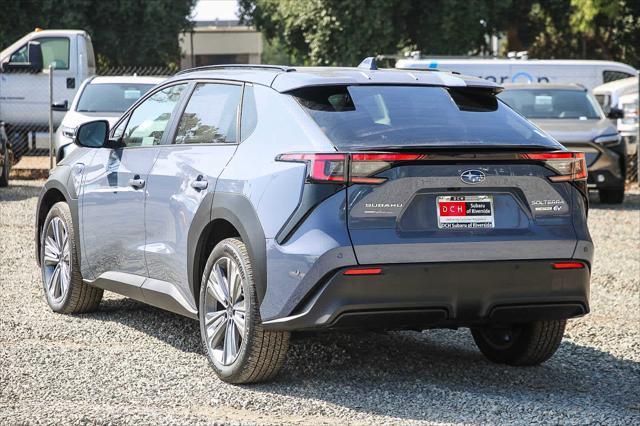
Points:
point(124, 32)
point(337, 32)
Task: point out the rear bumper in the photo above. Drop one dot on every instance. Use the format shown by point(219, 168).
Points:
point(429, 295)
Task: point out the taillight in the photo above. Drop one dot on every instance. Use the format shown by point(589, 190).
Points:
point(348, 168)
point(569, 166)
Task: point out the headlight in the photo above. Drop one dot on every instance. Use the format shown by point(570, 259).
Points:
point(68, 132)
point(608, 140)
point(630, 113)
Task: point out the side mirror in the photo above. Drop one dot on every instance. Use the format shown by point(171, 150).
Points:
point(615, 113)
point(34, 52)
point(60, 106)
point(93, 134)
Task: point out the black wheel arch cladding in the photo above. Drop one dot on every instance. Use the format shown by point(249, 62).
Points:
point(238, 211)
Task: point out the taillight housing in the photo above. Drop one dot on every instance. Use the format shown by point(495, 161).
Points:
point(364, 167)
point(348, 168)
point(569, 166)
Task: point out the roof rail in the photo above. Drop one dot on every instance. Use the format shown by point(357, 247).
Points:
point(238, 66)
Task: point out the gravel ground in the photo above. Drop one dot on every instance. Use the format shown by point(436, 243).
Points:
point(130, 363)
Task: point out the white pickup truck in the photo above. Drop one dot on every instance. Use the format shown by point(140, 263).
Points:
point(24, 83)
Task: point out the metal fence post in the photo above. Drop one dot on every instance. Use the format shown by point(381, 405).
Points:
point(638, 135)
point(51, 67)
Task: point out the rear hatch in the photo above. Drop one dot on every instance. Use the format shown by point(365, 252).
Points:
point(437, 210)
point(443, 174)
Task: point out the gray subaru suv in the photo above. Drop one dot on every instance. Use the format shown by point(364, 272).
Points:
point(262, 200)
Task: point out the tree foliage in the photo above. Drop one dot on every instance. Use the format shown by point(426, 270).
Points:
point(338, 32)
point(124, 32)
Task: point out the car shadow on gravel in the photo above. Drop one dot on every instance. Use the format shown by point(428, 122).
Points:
point(19, 192)
point(415, 376)
point(422, 376)
point(180, 332)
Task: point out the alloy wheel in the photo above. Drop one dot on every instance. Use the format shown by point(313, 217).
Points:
point(57, 260)
point(224, 313)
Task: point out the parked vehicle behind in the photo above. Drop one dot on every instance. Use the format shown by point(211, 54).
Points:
point(620, 98)
point(262, 200)
point(572, 116)
point(6, 157)
point(24, 83)
point(100, 98)
point(587, 73)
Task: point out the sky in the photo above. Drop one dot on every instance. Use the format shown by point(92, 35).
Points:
point(215, 10)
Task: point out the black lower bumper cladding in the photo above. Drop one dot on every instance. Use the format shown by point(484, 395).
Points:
point(443, 295)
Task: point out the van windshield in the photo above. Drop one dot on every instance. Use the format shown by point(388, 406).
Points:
point(110, 97)
point(370, 116)
point(552, 103)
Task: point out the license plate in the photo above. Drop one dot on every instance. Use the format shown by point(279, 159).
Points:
point(465, 211)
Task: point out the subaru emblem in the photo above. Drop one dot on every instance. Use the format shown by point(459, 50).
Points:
point(472, 176)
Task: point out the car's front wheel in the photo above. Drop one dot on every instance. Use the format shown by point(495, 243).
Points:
point(64, 288)
point(237, 346)
point(522, 344)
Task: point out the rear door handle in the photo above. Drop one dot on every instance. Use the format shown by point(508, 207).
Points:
point(200, 183)
point(136, 182)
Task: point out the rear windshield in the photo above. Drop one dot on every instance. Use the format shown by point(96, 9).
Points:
point(552, 103)
point(368, 116)
point(110, 97)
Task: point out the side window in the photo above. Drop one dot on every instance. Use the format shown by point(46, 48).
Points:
point(249, 118)
point(20, 55)
point(608, 76)
point(119, 131)
point(211, 116)
point(55, 50)
point(150, 119)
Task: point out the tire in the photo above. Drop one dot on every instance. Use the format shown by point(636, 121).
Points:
point(612, 196)
point(259, 355)
point(6, 166)
point(65, 292)
point(522, 345)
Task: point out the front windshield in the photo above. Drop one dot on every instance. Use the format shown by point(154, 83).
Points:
point(552, 103)
point(379, 116)
point(110, 97)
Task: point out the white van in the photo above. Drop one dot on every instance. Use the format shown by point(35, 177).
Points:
point(586, 73)
point(24, 82)
point(622, 95)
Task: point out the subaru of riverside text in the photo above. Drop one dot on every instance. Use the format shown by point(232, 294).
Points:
point(263, 200)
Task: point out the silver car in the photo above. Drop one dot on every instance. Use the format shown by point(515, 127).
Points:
point(569, 113)
point(100, 98)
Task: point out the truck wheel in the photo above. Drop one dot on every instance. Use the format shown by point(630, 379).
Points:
point(238, 348)
point(523, 344)
point(6, 166)
point(61, 278)
point(612, 196)
point(19, 143)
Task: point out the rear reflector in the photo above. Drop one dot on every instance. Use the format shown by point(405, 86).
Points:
point(363, 271)
point(568, 265)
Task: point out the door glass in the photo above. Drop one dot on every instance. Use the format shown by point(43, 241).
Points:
point(20, 55)
point(55, 50)
point(150, 119)
point(211, 115)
